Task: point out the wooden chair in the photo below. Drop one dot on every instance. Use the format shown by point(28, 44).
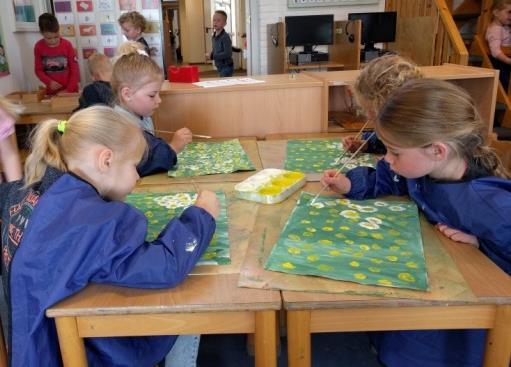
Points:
point(503, 149)
point(480, 48)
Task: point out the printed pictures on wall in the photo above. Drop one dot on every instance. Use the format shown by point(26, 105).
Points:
point(26, 13)
point(4, 66)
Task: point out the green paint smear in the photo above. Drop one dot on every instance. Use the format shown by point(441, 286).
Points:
point(207, 158)
point(160, 208)
point(374, 242)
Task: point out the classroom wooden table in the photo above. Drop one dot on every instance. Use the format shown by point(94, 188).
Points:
point(36, 112)
point(249, 144)
point(202, 304)
point(309, 312)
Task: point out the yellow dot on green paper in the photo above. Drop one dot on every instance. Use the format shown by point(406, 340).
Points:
point(360, 276)
point(294, 251)
point(293, 237)
point(344, 228)
point(364, 247)
point(391, 258)
point(381, 216)
point(406, 253)
point(314, 213)
point(376, 261)
point(329, 221)
point(311, 229)
point(349, 242)
point(394, 233)
point(334, 253)
point(288, 265)
point(412, 265)
point(209, 255)
point(154, 222)
point(326, 242)
point(343, 201)
point(308, 246)
point(407, 277)
point(149, 214)
point(362, 234)
point(358, 254)
point(384, 282)
point(377, 236)
point(307, 234)
point(327, 229)
point(340, 235)
point(325, 267)
point(313, 258)
point(399, 242)
point(299, 159)
point(355, 264)
point(375, 246)
point(305, 221)
point(394, 248)
point(374, 269)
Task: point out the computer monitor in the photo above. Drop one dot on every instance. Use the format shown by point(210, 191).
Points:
point(309, 31)
point(376, 27)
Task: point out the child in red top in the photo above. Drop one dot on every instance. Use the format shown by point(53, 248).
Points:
point(55, 59)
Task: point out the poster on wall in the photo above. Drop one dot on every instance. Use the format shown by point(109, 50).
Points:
point(4, 66)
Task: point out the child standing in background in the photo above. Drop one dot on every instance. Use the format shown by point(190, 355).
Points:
point(132, 25)
point(72, 228)
point(375, 83)
point(222, 45)
point(136, 82)
point(100, 90)
point(9, 155)
point(436, 154)
point(498, 35)
point(55, 58)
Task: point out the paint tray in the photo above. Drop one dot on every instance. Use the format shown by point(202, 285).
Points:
point(270, 185)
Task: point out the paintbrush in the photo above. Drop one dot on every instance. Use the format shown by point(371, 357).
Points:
point(342, 167)
point(195, 186)
point(338, 160)
point(173, 132)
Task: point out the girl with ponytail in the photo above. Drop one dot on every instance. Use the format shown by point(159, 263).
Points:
point(437, 154)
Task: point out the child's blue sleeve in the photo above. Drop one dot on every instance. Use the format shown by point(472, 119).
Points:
point(160, 156)
point(164, 262)
point(374, 145)
point(369, 183)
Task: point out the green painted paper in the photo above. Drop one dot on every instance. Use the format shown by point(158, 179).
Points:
point(207, 158)
point(313, 156)
point(373, 242)
point(159, 208)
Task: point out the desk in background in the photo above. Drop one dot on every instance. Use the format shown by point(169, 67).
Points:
point(36, 112)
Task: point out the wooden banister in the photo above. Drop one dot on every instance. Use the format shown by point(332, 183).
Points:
point(459, 54)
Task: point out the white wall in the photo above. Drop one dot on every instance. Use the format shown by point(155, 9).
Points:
point(272, 11)
point(19, 48)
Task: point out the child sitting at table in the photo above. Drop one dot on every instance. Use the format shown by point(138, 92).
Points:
point(498, 35)
point(100, 90)
point(55, 59)
point(132, 25)
point(436, 154)
point(9, 155)
point(136, 82)
point(66, 225)
point(376, 81)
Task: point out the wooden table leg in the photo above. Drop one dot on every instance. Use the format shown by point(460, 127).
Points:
point(498, 341)
point(299, 338)
point(72, 347)
point(265, 339)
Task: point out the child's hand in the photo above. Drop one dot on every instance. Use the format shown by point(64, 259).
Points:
point(208, 201)
point(208, 56)
point(457, 235)
point(180, 139)
point(54, 85)
point(336, 182)
point(351, 145)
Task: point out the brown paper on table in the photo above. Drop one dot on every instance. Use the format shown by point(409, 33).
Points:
point(445, 281)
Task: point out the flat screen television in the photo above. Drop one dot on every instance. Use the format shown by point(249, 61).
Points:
point(309, 31)
point(376, 27)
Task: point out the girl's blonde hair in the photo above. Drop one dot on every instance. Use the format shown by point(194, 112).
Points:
point(425, 111)
point(94, 125)
point(382, 76)
point(10, 108)
point(133, 69)
point(500, 4)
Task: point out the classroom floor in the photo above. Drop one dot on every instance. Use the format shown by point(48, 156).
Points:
point(328, 350)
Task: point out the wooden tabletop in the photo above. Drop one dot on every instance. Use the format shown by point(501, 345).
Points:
point(249, 144)
point(36, 112)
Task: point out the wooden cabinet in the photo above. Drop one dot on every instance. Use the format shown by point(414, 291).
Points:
point(339, 112)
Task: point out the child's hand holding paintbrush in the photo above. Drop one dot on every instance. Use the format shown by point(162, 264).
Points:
point(207, 200)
